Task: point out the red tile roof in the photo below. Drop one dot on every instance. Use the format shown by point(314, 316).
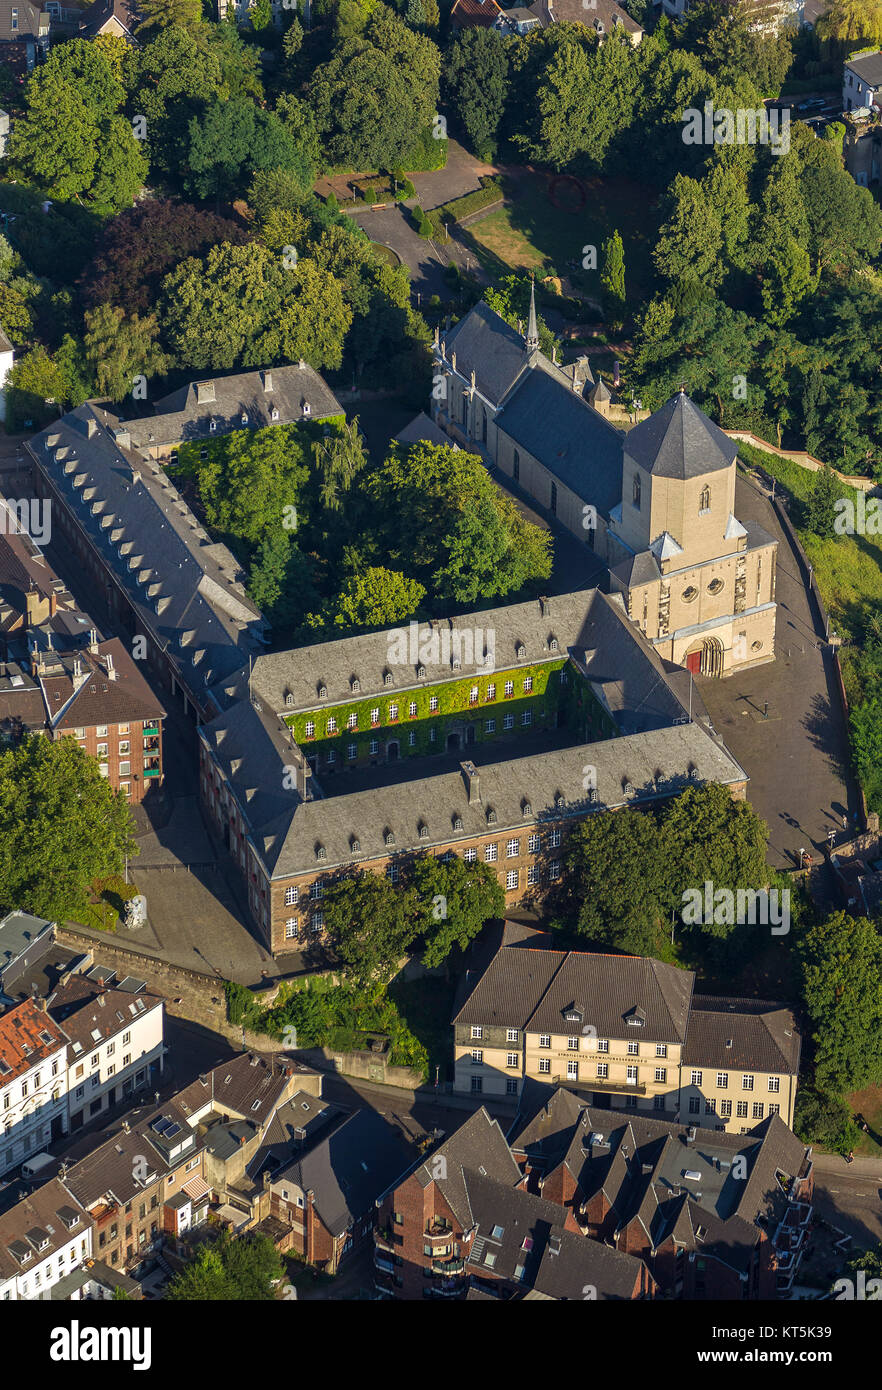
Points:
point(24, 1031)
point(470, 13)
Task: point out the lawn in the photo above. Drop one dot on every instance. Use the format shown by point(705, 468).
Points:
point(868, 1103)
point(549, 220)
point(106, 904)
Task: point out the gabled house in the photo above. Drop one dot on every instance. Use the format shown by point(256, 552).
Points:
point(45, 1239)
point(33, 1093)
point(862, 82)
point(24, 34)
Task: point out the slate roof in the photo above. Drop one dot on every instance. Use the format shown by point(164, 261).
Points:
point(49, 1212)
point(186, 414)
point(125, 12)
point(506, 1218)
point(485, 344)
point(18, 931)
point(531, 989)
point(110, 1168)
point(571, 439)
point(21, 702)
point(350, 1169)
point(608, 12)
point(479, 1147)
point(868, 67)
point(78, 1005)
point(235, 1085)
point(29, 21)
point(654, 765)
point(763, 1035)
point(641, 568)
point(99, 699)
point(570, 1263)
point(679, 441)
point(420, 428)
point(186, 589)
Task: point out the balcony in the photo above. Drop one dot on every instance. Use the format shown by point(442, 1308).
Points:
point(385, 1240)
point(452, 1266)
point(151, 745)
point(621, 1088)
point(152, 772)
point(437, 1230)
point(150, 729)
point(387, 1266)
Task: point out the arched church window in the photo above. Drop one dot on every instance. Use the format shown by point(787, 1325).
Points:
point(704, 500)
point(636, 494)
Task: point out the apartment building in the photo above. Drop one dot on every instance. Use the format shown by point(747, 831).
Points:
point(713, 1215)
point(33, 1092)
point(462, 1224)
point(115, 1032)
point(44, 1238)
point(627, 1032)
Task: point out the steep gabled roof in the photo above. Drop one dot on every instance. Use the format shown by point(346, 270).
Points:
point(679, 441)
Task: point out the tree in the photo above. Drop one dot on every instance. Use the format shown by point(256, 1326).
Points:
point(241, 306)
point(475, 79)
point(120, 349)
point(61, 827)
point(454, 900)
point(787, 279)
point(602, 897)
point(377, 94)
point(141, 245)
point(612, 278)
point(163, 14)
point(230, 139)
point(822, 1118)
point(370, 924)
point(510, 298)
point(841, 961)
point(231, 1269)
point(852, 20)
point(690, 241)
point(705, 836)
point(375, 599)
point(821, 506)
point(442, 520)
point(251, 482)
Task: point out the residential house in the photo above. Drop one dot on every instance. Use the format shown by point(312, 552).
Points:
point(604, 17)
point(24, 34)
point(115, 1028)
point(656, 502)
point(119, 18)
point(862, 81)
point(33, 1098)
point(23, 940)
point(627, 1032)
point(95, 1281)
point(712, 1214)
point(471, 14)
point(45, 1239)
point(462, 1224)
point(326, 1195)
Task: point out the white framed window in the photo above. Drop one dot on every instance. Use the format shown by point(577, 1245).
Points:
point(375, 715)
point(433, 703)
point(747, 1082)
point(528, 684)
point(602, 1071)
point(508, 721)
point(512, 849)
point(374, 747)
point(332, 755)
point(331, 725)
point(317, 921)
point(511, 880)
point(695, 1078)
point(545, 1040)
point(554, 839)
point(774, 1083)
point(477, 1057)
point(490, 692)
point(512, 1059)
point(292, 895)
point(534, 843)
point(722, 1080)
point(392, 873)
point(544, 1065)
point(632, 1076)
point(412, 709)
point(573, 1044)
point(532, 876)
point(527, 718)
point(310, 728)
point(511, 1035)
point(352, 721)
point(661, 1073)
point(470, 855)
point(572, 1071)
point(661, 1049)
point(317, 890)
point(291, 928)
point(491, 854)
point(477, 1031)
point(352, 751)
point(473, 695)
point(490, 726)
point(509, 687)
point(393, 710)
point(554, 869)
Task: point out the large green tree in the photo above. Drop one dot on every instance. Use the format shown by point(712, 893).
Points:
point(454, 901)
point(475, 79)
point(370, 923)
point(61, 827)
point(841, 962)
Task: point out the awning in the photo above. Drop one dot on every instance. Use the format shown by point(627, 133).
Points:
point(196, 1188)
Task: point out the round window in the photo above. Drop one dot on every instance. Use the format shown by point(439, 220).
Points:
point(690, 594)
point(715, 586)
point(756, 646)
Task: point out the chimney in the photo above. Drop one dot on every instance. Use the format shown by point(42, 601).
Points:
point(204, 392)
point(112, 673)
point(91, 428)
point(472, 783)
point(53, 604)
point(267, 381)
point(93, 640)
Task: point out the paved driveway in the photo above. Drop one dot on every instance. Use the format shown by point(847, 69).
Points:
point(391, 227)
point(797, 757)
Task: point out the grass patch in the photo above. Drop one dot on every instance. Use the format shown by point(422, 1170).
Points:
point(547, 222)
point(106, 904)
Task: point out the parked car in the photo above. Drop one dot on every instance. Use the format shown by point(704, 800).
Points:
point(812, 104)
point(36, 1167)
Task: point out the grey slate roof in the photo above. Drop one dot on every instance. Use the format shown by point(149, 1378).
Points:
point(18, 931)
point(478, 1147)
point(186, 414)
point(868, 67)
point(571, 439)
point(570, 1263)
point(641, 568)
point(485, 344)
point(679, 441)
point(422, 427)
point(30, 21)
point(46, 1206)
point(762, 1035)
point(506, 1217)
point(350, 1169)
point(530, 989)
point(654, 765)
point(187, 590)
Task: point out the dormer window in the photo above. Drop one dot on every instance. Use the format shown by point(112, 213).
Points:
point(457, 822)
point(421, 672)
point(354, 846)
point(628, 788)
point(212, 427)
point(526, 809)
point(289, 698)
point(244, 417)
point(355, 683)
point(387, 678)
point(424, 832)
point(320, 852)
point(559, 800)
point(552, 643)
point(520, 651)
point(307, 410)
point(491, 816)
point(323, 692)
point(389, 837)
point(635, 495)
